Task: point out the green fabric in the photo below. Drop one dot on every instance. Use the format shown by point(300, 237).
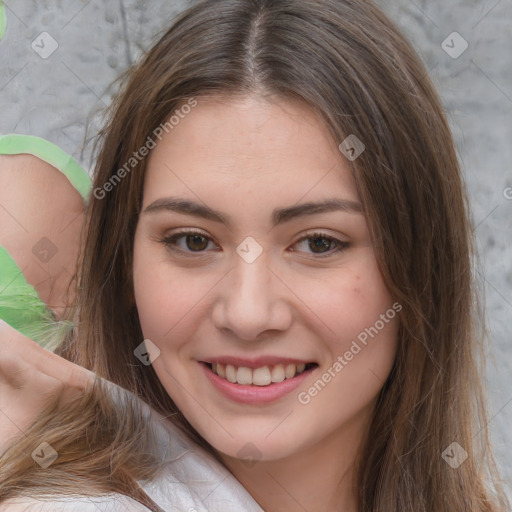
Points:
point(22, 308)
point(14, 144)
point(20, 305)
point(3, 20)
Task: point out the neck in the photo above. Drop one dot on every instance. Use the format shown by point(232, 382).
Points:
point(318, 478)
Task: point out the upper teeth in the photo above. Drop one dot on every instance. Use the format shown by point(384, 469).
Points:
point(262, 376)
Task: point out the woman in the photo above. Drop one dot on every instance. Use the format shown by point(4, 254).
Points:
point(279, 265)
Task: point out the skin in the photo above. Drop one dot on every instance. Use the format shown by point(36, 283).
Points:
point(36, 201)
point(30, 376)
point(245, 158)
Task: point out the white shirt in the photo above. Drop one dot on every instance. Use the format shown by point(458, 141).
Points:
point(190, 479)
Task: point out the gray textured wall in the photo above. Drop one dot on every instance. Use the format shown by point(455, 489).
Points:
point(52, 96)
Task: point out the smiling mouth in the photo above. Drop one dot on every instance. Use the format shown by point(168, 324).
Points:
point(262, 376)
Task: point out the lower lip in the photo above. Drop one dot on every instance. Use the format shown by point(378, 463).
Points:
point(255, 394)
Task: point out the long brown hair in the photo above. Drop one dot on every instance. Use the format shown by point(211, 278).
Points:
point(349, 62)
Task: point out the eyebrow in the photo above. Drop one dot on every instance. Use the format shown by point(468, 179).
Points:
point(279, 215)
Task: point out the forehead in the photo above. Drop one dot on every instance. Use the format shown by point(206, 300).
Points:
point(259, 148)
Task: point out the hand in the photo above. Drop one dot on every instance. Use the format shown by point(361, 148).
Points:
point(30, 376)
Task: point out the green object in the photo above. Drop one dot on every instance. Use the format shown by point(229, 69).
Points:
point(22, 308)
point(20, 305)
point(3, 20)
point(14, 144)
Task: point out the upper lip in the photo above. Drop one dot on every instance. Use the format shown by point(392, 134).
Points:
point(256, 362)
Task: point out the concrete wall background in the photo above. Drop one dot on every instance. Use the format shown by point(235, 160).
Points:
point(52, 97)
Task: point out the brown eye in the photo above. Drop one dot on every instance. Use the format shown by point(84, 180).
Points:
point(322, 244)
point(196, 242)
point(187, 242)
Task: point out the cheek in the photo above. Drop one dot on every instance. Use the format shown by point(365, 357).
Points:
point(371, 322)
point(361, 355)
point(168, 299)
point(350, 301)
point(159, 306)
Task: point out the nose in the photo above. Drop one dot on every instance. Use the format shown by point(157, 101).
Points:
point(252, 303)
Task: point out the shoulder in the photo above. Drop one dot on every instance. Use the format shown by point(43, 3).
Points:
point(108, 503)
point(190, 478)
point(29, 146)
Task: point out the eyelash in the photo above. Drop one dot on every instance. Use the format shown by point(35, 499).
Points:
point(170, 242)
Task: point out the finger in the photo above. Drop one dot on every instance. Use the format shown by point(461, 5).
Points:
point(18, 353)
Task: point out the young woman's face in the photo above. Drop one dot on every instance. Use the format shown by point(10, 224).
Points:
point(241, 281)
